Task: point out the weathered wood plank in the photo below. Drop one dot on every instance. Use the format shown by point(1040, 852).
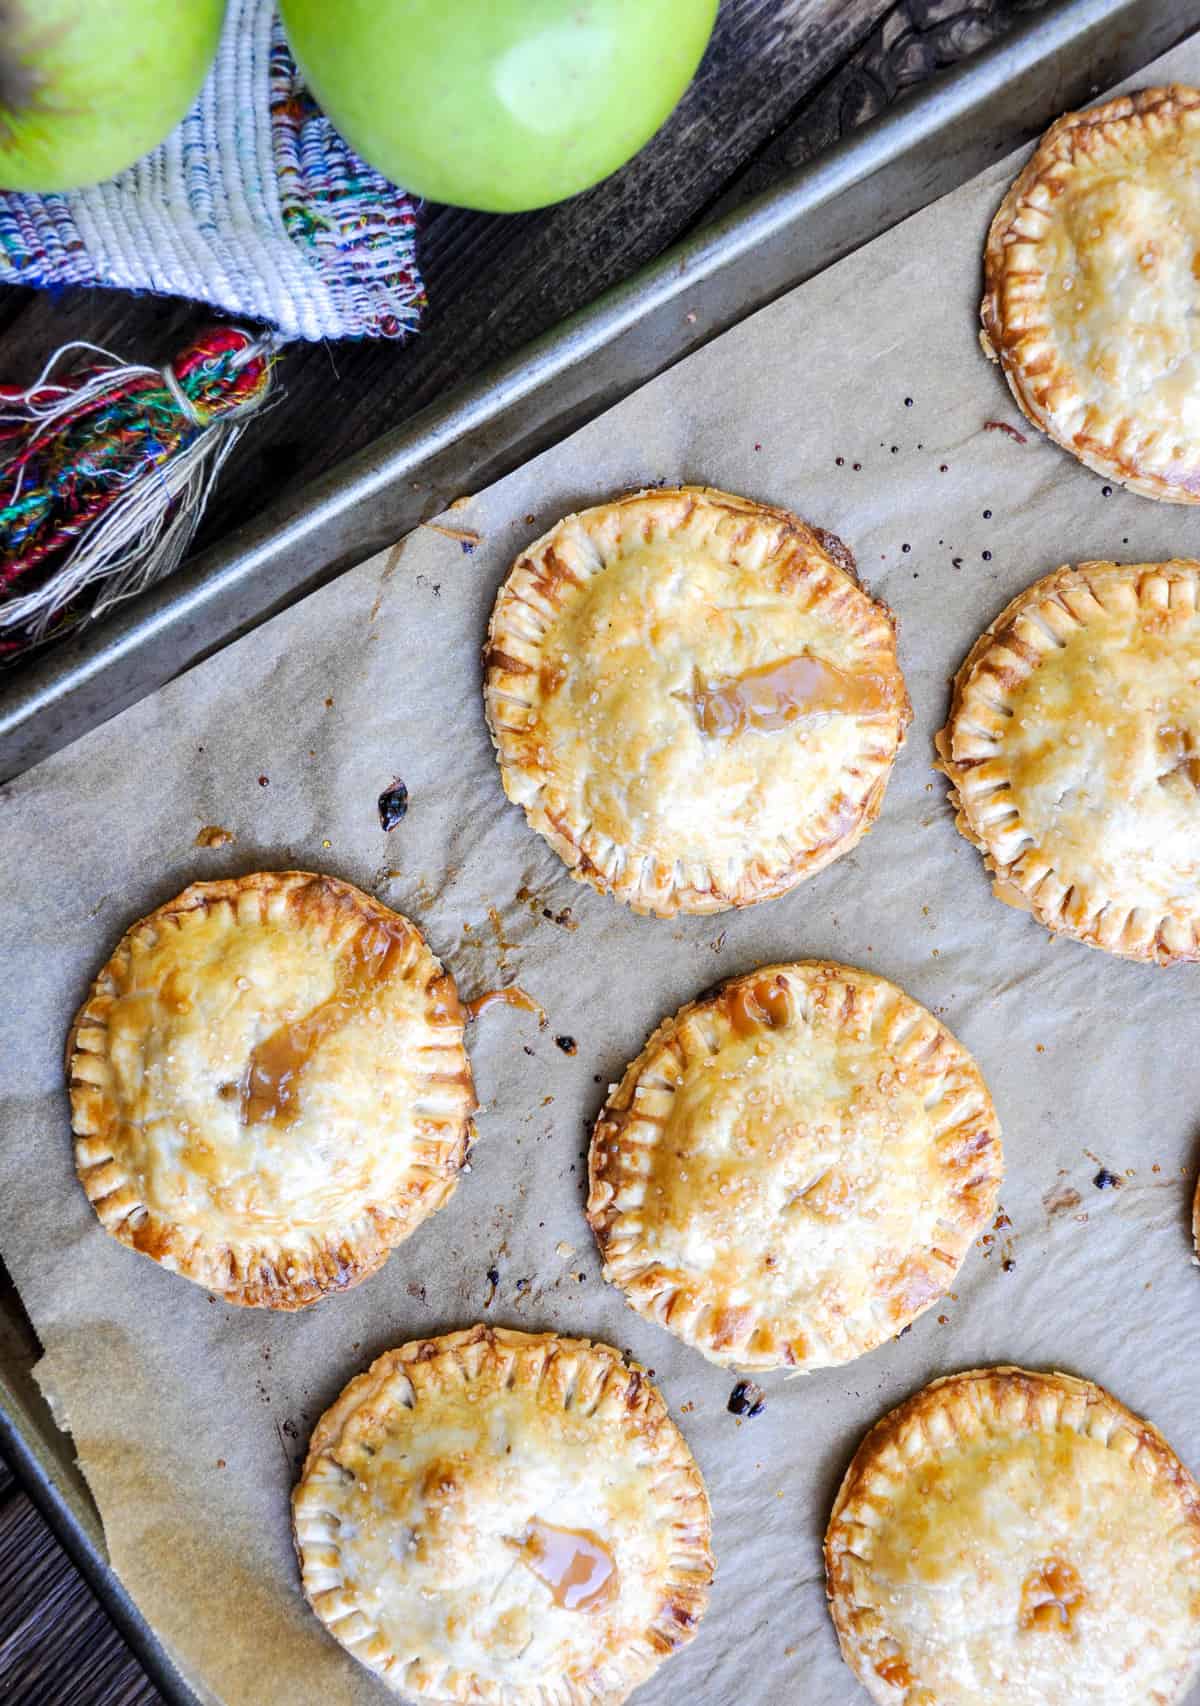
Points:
point(776, 87)
point(494, 282)
point(764, 59)
point(57, 1645)
point(916, 39)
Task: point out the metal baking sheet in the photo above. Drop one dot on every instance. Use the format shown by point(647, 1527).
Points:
point(725, 290)
point(927, 145)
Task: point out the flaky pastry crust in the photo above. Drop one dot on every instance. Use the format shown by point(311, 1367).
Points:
point(1014, 1539)
point(1073, 748)
point(793, 1168)
point(1091, 293)
point(426, 1480)
point(269, 1087)
point(692, 698)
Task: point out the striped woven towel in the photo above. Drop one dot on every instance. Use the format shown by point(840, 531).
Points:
point(253, 203)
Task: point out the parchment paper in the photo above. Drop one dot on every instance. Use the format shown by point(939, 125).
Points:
point(189, 1416)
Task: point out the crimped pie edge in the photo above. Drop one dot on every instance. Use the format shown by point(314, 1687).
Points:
point(622, 1385)
point(861, 1629)
point(589, 859)
point(1073, 136)
point(609, 1168)
point(248, 1277)
point(1087, 920)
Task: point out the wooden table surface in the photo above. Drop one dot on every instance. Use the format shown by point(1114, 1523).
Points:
point(782, 79)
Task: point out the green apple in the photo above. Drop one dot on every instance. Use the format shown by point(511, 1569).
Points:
point(497, 104)
point(89, 86)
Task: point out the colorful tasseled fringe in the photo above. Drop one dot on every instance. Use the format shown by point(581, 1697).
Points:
point(104, 475)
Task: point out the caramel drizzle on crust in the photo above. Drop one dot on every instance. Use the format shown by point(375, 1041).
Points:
point(840, 553)
point(270, 1089)
point(511, 995)
point(1061, 600)
point(575, 1564)
point(259, 1275)
point(775, 695)
point(1051, 1597)
point(1009, 1398)
point(761, 1002)
point(587, 1379)
point(1037, 383)
point(502, 663)
point(518, 681)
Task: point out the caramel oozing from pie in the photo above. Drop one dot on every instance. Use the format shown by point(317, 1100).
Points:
point(1051, 1596)
point(269, 1092)
point(551, 676)
point(894, 1670)
point(1179, 749)
point(753, 1005)
point(512, 995)
point(574, 1563)
point(774, 695)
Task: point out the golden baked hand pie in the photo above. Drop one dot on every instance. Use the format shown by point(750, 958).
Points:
point(1092, 289)
point(504, 1518)
point(269, 1088)
point(1073, 747)
point(1015, 1539)
point(693, 699)
point(793, 1168)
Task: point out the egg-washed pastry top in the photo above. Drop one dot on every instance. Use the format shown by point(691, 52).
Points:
point(692, 698)
point(504, 1519)
point(1073, 747)
point(269, 1087)
point(1092, 289)
point(1015, 1539)
point(794, 1167)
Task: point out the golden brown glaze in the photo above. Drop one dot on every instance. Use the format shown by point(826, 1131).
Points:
point(793, 1168)
point(1071, 747)
point(497, 1518)
point(1008, 1538)
point(692, 698)
point(1090, 301)
point(269, 1087)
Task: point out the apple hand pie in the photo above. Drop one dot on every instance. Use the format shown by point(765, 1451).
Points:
point(1092, 290)
point(793, 1168)
point(504, 1518)
point(1073, 748)
point(1015, 1539)
point(269, 1087)
point(692, 698)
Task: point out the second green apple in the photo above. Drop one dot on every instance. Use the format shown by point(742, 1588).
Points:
point(502, 105)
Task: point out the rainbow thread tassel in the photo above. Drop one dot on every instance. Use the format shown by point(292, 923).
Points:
point(104, 475)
